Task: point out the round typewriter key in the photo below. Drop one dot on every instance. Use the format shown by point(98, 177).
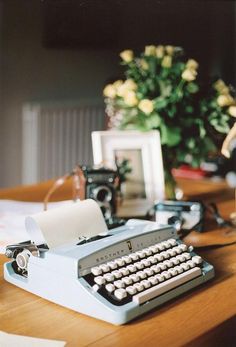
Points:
point(120, 262)
point(139, 286)
point(135, 277)
point(109, 277)
point(131, 290)
point(127, 280)
point(153, 280)
point(99, 280)
point(166, 274)
point(96, 271)
point(139, 265)
point(116, 274)
point(173, 242)
point(132, 268)
point(197, 259)
point(127, 259)
point(134, 256)
point(160, 278)
point(179, 269)
point(124, 271)
point(186, 255)
point(104, 267)
point(119, 284)
point(112, 265)
point(146, 283)
point(120, 293)
point(191, 263)
point(155, 268)
point(185, 266)
point(173, 272)
point(110, 287)
point(141, 274)
point(175, 261)
point(152, 259)
point(148, 272)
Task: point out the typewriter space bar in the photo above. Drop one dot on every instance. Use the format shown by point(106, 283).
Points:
point(166, 286)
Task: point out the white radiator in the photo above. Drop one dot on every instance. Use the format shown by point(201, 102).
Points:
point(56, 137)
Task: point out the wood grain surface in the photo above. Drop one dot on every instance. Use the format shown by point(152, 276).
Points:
point(203, 317)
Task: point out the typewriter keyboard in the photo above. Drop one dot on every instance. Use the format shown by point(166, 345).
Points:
point(145, 274)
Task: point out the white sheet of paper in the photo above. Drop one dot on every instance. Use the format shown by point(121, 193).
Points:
point(64, 224)
point(11, 340)
point(12, 219)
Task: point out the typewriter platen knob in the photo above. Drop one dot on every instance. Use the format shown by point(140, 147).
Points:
point(22, 259)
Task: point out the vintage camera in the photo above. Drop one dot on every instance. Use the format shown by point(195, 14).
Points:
point(100, 185)
point(188, 215)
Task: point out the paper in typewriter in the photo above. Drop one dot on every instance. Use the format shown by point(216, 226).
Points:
point(64, 224)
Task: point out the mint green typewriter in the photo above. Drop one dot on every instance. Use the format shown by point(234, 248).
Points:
point(134, 269)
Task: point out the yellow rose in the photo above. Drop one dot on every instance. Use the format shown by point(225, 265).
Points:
point(166, 61)
point(221, 87)
point(160, 51)
point(109, 91)
point(146, 106)
point(189, 75)
point(144, 64)
point(130, 98)
point(117, 84)
point(150, 50)
point(170, 50)
point(127, 55)
point(192, 64)
point(232, 111)
point(225, 100)
point(130, 84)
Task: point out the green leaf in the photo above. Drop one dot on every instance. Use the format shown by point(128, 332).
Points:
point(192, 87)
point(153, 121)
point(160, 103)
point(170, 136)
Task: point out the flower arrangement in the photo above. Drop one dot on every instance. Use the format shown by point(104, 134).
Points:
point(162, 91)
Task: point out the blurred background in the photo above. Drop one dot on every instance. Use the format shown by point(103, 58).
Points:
point(56, 57)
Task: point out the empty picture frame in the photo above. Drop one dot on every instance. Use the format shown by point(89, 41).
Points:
point(142, 150)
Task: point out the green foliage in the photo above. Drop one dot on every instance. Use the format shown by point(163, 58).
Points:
point(162, 91)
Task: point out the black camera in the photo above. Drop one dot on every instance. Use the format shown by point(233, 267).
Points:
point(100, 185)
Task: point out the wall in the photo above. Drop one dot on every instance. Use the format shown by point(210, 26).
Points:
point(30, 72)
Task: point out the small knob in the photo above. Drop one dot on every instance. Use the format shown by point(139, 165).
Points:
point(22, 259)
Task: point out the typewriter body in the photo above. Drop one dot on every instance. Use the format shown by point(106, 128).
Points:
point(135, 268)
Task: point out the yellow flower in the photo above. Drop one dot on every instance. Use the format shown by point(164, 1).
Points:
point(232, 111)
point(130, 84)
point(166, 61)
point(146, 106)
point(192, 64)
point(117, 83)
point(221, 87)
point(127, 55)
point(109, 91)
point(189, 75)
point(130, 98)
point(225, 100)
point(160, 51)
point(150, 50)
point(170, 49)
point(144, 64)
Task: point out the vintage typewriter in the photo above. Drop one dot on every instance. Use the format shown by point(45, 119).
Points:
point(117, 277)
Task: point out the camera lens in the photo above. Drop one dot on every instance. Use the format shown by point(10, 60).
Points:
point(102, 193)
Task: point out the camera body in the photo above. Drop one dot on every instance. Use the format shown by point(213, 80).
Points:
point(189, 213)
point(100, 186)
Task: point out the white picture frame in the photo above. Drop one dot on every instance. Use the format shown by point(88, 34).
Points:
point(146, 148)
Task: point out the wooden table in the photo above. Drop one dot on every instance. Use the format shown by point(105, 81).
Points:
point(203, 317)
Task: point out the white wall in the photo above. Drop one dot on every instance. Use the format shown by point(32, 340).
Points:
point(31, 72)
